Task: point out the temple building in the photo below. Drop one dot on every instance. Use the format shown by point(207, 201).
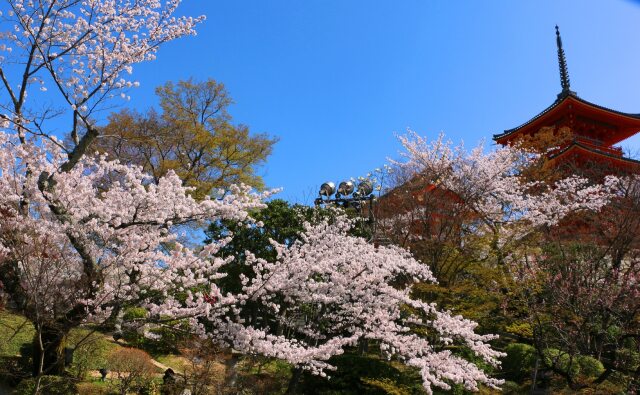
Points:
point(593, 130)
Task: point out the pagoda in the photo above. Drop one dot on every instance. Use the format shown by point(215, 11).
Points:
point(593, 129)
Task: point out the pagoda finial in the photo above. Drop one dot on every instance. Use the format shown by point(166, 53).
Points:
point(564, 71)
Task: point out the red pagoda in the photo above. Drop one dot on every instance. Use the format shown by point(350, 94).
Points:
point(594, 130)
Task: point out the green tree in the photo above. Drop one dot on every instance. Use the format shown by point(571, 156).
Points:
point(280, 221)
point(193, 135)
point(358, 370)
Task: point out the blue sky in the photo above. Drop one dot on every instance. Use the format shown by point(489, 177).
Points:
point(335, 80)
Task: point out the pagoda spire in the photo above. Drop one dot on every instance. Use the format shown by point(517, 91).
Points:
point(564, 71)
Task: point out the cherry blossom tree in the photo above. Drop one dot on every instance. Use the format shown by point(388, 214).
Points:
point(564, 245)
point(476, 205)
point(82, 236)
point(98, 240)
point(583, 293)
point(81, 50)
point(328, 290)
point(58, 264)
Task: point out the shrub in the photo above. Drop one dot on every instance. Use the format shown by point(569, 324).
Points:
point(511, 388)
point(14, 369)
point(362, 375)
point(133, 313)
point(522, 329)
point(388, 386)
point(165, 339)
point(590, 366)
point(92, 389)
point(50, 385)
point(90, 352)
point(628, 357)
point(561, 361)
point(132, 368)
point(519, 361)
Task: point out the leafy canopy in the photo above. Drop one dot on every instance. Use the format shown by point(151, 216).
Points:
point(193, 135)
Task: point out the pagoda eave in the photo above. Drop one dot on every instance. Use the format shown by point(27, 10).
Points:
point(582, 154)
point(608, 126)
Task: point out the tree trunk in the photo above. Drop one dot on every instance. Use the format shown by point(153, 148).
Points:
point(231, 371)
point(293, 383)
point(363, 346)
point(48, 352)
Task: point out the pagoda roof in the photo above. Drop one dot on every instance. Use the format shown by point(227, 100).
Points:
point(586, 150)
point(630, 123)
point(613, 126)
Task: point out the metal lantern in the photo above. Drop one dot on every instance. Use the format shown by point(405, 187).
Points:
point(327, 189)
point(365, 188)
point(346, 197)
point(345, 188)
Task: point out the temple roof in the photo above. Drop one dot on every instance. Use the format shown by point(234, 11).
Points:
point(591, 151)
point(614, 126)
point(597, 111)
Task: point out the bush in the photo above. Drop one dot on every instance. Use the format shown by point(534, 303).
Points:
point(132, 368)
point(628, 357)
point(14, 369)
point(519, 361)
point(50, 385)
point(133, 313)
point(522, 329)
point(388, 386)
point(90, 352)
point(511, 388)
point(562, 361)
point(165, 341)
point(590, 366)
point(362, 375)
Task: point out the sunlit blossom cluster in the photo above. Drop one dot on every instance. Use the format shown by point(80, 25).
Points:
point(332, 290)
point(491, 185)
point(82, 236)
point(104, 236)
point(84, 50)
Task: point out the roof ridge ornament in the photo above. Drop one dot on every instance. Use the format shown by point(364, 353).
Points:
point(564, 70)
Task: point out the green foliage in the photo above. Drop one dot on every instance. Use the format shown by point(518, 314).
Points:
point(561, 361)
point(50, 385)
point(281, 222)
point(167, 343)
point(193, 135)
point(476, 295)
point(260, 375)
point(388, 386)
point(363, 375)
point(628, 357)
point(521, 329)
point(519, 361)
point(90, 351)
point(132, 313)
point(168, 340)
point(590, 366)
